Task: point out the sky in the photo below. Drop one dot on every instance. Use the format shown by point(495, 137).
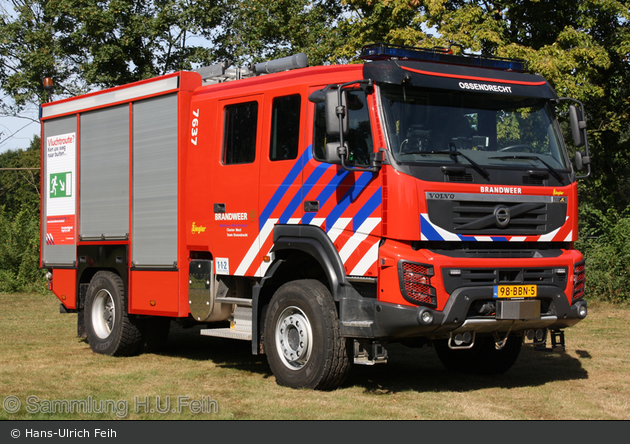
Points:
point(23, 131)
point(17, 132)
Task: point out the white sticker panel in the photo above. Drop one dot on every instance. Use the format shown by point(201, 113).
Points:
point(222, 265)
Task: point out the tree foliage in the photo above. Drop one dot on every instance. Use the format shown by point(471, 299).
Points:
point(258, 30)
point(86, 44)
point(605, 242)
point(19, 252)
point(19, 221)
point(20, 179)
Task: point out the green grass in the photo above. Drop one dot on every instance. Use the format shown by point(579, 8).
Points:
point(215, 378)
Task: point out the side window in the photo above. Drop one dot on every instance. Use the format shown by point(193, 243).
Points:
point(285, 127)
point(359, 139)
point(239, 133)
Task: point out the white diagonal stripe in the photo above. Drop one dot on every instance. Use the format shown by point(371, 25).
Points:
point(255, 247)
point(366, 261)
point(359, 236)
point(338, 228)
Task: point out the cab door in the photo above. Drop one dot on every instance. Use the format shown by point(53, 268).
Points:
point(347, 205)
point(235, 185)
point(283, 158)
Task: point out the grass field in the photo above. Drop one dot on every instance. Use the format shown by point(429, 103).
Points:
point(46, 372)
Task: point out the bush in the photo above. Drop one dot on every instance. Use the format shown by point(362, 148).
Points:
point(19, 252)
point(605, 243)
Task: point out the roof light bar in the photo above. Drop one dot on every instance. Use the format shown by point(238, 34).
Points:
point(385, 51)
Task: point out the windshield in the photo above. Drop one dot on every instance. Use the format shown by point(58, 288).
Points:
point(430, 127)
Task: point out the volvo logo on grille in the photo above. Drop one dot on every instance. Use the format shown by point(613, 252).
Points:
point(502, 215)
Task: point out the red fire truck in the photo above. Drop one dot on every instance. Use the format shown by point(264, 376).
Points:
point(320, 213)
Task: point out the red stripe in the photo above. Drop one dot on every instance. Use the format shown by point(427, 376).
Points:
point(482, 79)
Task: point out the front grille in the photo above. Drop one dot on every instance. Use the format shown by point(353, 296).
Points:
point(496, 215)
point(526, 217)
point(415, 283)
point(455, 278)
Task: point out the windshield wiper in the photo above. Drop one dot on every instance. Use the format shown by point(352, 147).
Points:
point(551, 169)
point(454, 153)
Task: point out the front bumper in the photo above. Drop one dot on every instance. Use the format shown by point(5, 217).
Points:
point(399, 321)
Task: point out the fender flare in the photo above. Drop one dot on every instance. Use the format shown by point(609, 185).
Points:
point(315, 242)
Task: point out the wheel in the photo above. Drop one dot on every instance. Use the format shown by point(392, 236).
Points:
point(110, 330)
point(302, 341)
point(483, 358)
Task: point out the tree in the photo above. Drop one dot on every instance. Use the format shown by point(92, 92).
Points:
point(86, 44)
point(259, 30)
point(20, 179)
point(19, 221)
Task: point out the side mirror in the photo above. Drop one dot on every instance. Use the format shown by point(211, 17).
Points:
point(581, 160)
point(578, 131)
point(333, 152)
point(318, 96)
point(335, 125)
point(578, 125)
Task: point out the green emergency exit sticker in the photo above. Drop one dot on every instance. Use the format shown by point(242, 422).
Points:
point(61, 184)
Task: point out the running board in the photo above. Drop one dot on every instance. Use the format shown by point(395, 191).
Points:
point(229, 333)
point(238, 301)
point(240, 326)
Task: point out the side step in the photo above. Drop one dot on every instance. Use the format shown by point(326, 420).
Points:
point(240, 326)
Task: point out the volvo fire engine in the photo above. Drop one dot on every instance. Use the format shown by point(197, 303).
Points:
point(320, 213)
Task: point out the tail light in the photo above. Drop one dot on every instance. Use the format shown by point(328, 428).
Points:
point(579, 278)
point(415, 283)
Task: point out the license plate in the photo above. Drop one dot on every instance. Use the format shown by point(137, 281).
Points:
point(515, 291)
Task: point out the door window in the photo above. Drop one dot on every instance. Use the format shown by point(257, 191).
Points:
point(239, 143)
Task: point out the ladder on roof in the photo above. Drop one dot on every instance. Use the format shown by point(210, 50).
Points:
point(220, 72)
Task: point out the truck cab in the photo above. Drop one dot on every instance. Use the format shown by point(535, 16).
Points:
point(431, 194)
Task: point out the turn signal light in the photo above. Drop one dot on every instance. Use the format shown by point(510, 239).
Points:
point(415, 283)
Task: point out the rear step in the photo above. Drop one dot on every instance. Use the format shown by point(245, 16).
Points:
point(240, 326)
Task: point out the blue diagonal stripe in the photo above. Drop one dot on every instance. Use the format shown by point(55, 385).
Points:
point(284, 186)
point(304, 190)
point(499, 238)
point(367, 209)
point(427, 229)
point(467, 238)
point(325, 194)
point(355, 190)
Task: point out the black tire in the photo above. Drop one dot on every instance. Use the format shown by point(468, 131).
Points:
point(483, 358)
point(302, 341)
point(110, 330)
